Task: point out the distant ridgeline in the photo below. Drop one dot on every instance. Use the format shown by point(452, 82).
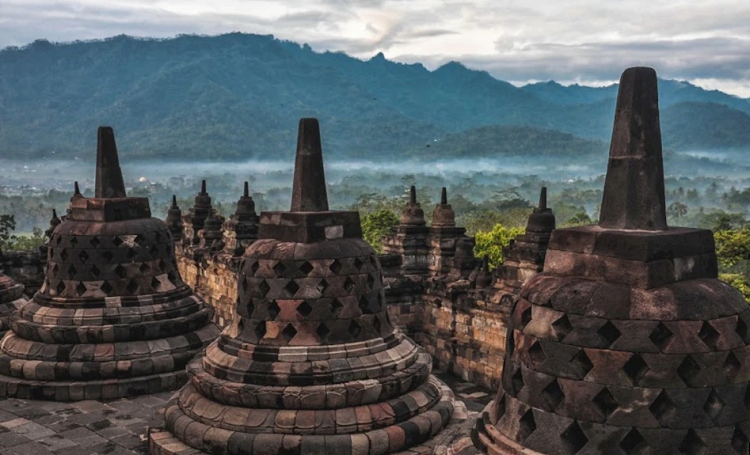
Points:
point(235, 96)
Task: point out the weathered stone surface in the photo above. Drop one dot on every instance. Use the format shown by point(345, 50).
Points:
point(627, 342)
point(311, 359)
point(113, 317)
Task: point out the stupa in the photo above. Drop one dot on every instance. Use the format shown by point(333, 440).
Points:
point(626, 343)
point(11, 299)
point(312, 363)
point(113, 317)
point(524, 257)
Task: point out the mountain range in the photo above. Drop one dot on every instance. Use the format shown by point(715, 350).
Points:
point(239, 96)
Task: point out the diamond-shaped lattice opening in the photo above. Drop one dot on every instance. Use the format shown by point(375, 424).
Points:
point(709, 335)
point(322, 286)
point(59, 239)
point(279, 269)
point(336, 306)
point(536, 353)
point(132, 287)
point(354, 329)
point(95, 241)
point(349, 285)
point(139, 239)
point(289, 332)
point(154, 251)
point(635, 368)
point(605, 402)
point(633, 443)
point(358, 263)
point(553, 395)
point(574, 438)
point(120, 271)
point(60, 287)
point(156, 284)
point(245, 284)
point(106, 287)
point(263, 288)
point(663, 408)
point(72, 271)
point(713, 405)
point(526, 425)
point(562, 327)
point(81, 288)
point(525, 318)
point(55, 269)
point(304, 309)
point(370, 281)
point(73, 242)
point(582, 361)
point(131, 253)
point(144, 268)
point(273, 309)
point(335, 266)
point(94, 271)
point(108, 256)
point(290, 289)
point(248, 304)
point(739, 441)
point(661, 336)
point(608, 333)
point(364, 305)
point(322, 331)
point(500, 408)
point(742, 329)
point(306, 268)
point(731, 366)
point(376, 324)
point(117, 241)
point(172, 277)
point(260, 330)
point(254, 268)
point(517, 382)
point(64, 254)
point(162, 265)
point(692, 444)
point(688, 370)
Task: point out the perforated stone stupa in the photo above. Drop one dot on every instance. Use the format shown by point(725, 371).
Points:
point(312, 363)
point(11, 299)
point(627, 343)
point(113, 317)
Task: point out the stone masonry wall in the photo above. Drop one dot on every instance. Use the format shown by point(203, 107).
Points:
point(25, 267)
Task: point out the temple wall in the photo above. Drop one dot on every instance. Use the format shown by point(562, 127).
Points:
point(465, 335)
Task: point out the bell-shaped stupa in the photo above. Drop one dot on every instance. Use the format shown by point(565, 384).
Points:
point(113, 317)
point(312, 363)
point(626, 343)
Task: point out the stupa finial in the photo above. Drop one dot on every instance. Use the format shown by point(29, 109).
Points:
point(543, 198)
point(634, 187)
point(309, 191)
point(109, 182)
point(444, 196)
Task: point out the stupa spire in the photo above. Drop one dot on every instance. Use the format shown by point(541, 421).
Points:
point(444, 196)
point(246, 193)
point(634, 187)
point(309, 190)
point(543, 198)
point(109, 182)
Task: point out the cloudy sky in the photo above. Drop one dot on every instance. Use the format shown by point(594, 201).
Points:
point(586, 41)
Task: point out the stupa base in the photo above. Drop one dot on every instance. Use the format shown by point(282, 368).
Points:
point(410, 436)
point(486, 439)
point(109, 389)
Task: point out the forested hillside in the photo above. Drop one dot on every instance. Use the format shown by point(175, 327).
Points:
point(239, 96)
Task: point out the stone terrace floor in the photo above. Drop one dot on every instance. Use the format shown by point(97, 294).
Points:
point(119, 427)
